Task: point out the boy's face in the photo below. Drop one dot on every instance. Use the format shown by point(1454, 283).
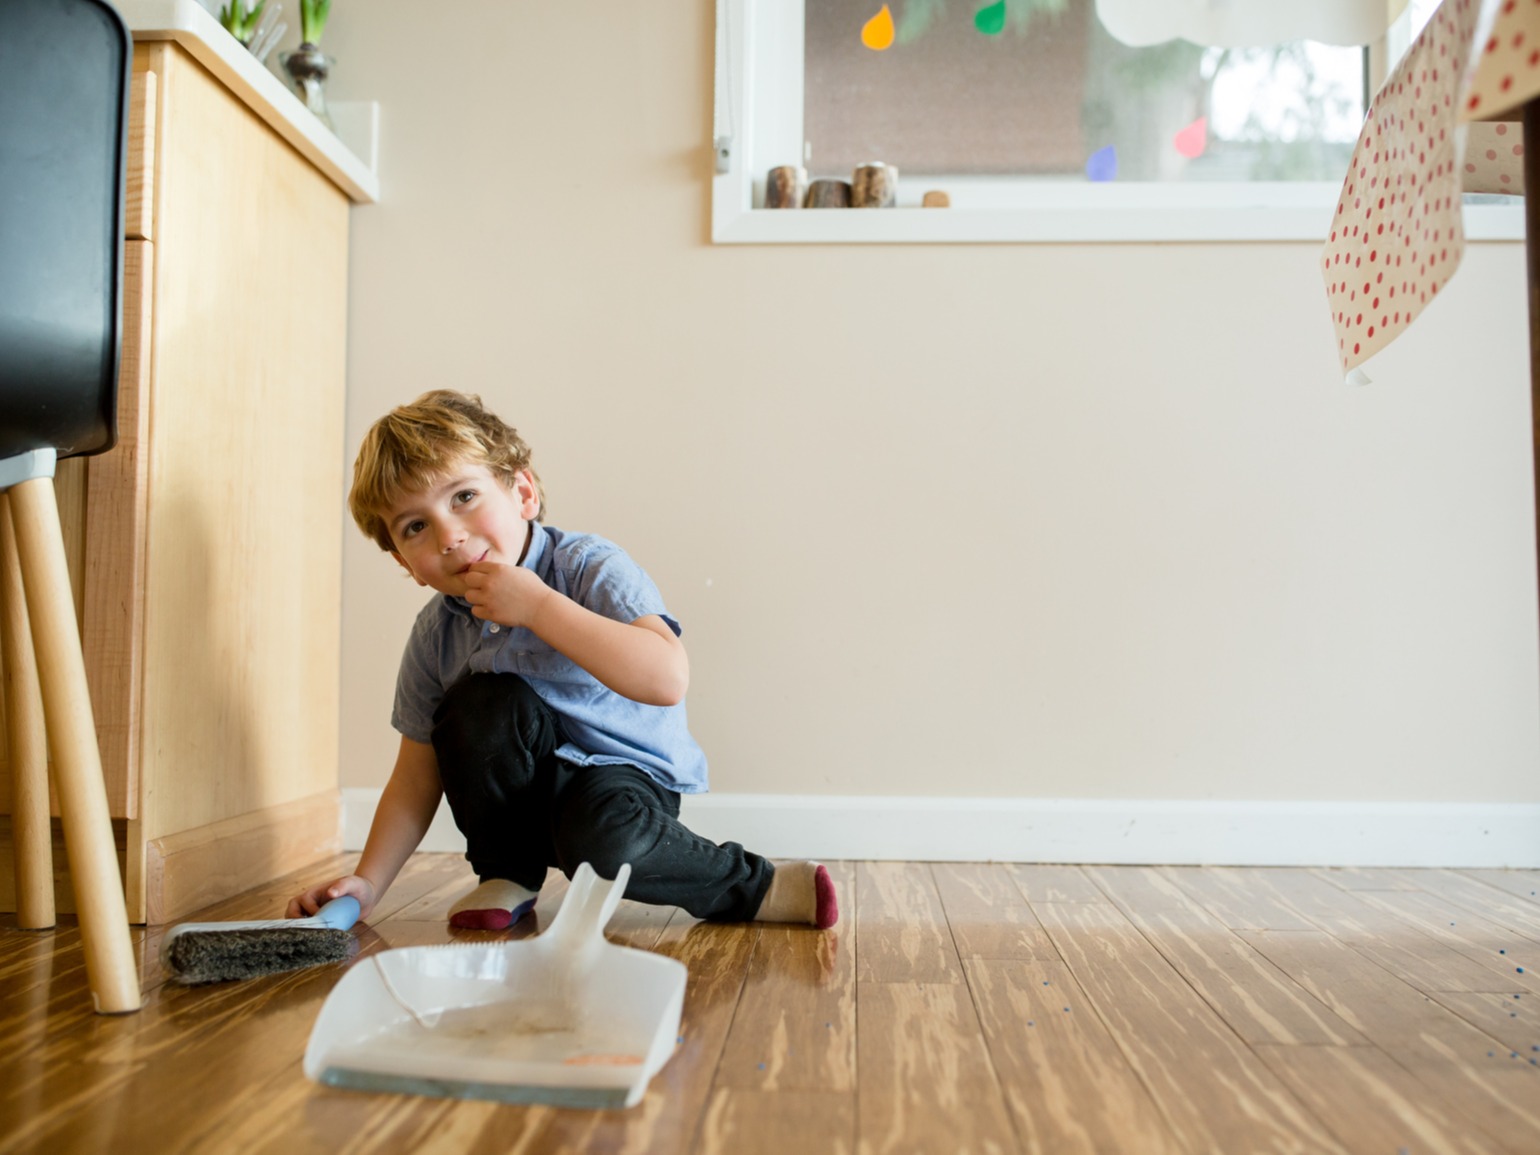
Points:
point(464, 517)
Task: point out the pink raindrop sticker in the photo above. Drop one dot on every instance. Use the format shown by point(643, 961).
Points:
point(1193, 139)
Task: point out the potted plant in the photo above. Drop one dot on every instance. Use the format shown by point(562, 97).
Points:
point(240, 21)
point(257, 27)
point(307, 66)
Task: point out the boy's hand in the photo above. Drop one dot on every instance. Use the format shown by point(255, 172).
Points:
point(509, 595)
point(305, 905)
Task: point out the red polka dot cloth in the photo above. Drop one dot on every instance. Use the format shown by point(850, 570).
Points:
point(1494, 158)
point(1505, 60)
point(1397, 235)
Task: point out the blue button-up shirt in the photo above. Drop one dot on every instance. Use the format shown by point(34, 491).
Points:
point(601, 727)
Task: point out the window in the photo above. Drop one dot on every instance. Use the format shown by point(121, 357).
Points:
point(1040, 125)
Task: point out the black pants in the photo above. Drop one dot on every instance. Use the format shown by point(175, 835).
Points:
point(523, 809)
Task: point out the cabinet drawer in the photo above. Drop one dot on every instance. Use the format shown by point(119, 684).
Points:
point(139, 202)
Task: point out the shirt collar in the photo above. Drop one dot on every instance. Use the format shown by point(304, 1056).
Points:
point(539, 546)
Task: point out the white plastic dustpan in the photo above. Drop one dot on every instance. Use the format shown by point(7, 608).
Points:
point(565, 1018)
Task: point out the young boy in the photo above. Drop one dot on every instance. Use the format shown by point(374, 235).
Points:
point(542, 693)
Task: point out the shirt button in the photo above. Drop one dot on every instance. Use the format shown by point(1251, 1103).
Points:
point(494, 627)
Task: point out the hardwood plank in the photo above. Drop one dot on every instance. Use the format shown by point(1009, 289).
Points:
point(1523, 883)
point(1260, 1002)
point(1509, 1019)
point(22, 949)
point(902, 926)
point(740, 1122)
point(433, 904)
point(795, 1025)
point(43, 990)
point(476, 1128)
point(1146, 887)
point(422, 875)
point(1370, 1103)
point(1367, 878)
point(1242, 899)
point(925, 1080)
point(290, 1115)
point(639, 925)
point(987, 914)
point(1361, 921)
point(1040, 883)
point(27, 1120)
point(1390, 1013)
point(246, 1032)
point(1069, 1088)
point(1500, 1097)
point(1500, 906)
point(1212, 1089)
point(1510, 961)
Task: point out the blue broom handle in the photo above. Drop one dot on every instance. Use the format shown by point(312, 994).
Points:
point(339, 913)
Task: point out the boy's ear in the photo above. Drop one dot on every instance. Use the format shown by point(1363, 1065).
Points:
point(528, 495)
point(401, 561)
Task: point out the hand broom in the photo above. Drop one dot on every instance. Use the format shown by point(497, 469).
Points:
point(211, 952)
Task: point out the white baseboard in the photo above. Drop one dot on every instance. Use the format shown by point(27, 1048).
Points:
point(1119, 831)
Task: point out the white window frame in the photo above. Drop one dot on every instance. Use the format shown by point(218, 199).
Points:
point(759, 111)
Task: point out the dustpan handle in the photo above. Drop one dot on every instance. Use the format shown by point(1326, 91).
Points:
point(589, 905)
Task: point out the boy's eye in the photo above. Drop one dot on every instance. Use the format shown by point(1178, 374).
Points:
point(464, 495)
point(411, 529)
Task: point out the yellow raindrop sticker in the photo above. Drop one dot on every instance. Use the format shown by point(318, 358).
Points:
point(877, 33)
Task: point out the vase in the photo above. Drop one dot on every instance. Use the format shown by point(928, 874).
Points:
point(308, 67)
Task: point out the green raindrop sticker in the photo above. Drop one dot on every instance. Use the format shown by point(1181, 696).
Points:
point(991, 19)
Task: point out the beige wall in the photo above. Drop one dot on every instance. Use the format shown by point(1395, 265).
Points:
point(1028, 520)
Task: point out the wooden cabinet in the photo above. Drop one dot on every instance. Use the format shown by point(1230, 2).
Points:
point(206, 547)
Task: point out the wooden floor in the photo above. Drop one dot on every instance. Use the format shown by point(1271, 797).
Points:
point(956, 1008)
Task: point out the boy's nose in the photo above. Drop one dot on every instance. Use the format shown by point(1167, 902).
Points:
point(450, 539)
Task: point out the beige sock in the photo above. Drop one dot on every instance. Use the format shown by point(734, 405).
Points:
point(493, 905)
point(800, 892)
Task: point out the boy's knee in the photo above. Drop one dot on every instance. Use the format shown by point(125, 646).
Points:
point(490, 732)
point(626, 831)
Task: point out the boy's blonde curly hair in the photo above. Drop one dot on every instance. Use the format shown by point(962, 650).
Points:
point(413, 445)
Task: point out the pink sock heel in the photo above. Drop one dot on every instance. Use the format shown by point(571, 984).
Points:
point(828, 907)
point(494, 905)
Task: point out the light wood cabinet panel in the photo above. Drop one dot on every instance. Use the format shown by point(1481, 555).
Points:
point(206, 546)
point(139, 193)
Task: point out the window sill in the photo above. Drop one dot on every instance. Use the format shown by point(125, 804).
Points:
point(1076, 214)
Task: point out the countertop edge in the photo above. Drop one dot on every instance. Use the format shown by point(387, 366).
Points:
point(188, 24)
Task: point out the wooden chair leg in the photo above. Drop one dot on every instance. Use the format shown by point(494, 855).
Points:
point(88, 837)
point(31, 836)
